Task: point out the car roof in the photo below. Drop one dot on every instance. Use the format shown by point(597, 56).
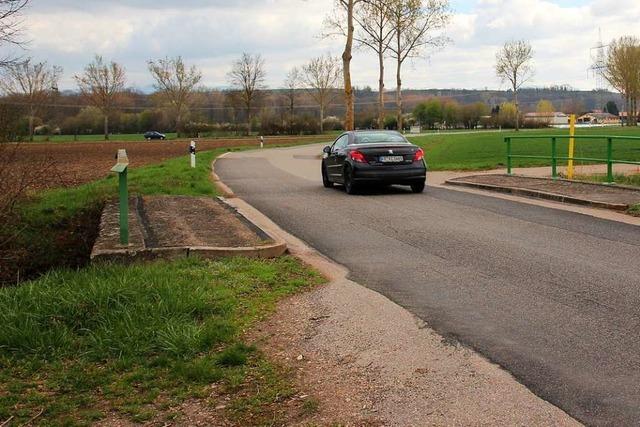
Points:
point(373, 131)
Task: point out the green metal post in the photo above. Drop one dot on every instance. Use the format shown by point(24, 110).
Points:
point(121, 168)
point(610, 161)
point(509, 166)
point(554, 158)
point(124, 208)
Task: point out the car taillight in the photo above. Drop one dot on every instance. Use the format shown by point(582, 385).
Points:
point(419, 155)
point(357, 156)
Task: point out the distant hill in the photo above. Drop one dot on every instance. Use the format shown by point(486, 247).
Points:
point(564, 99)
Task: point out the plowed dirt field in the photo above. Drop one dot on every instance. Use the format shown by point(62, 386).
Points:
point(76, 163)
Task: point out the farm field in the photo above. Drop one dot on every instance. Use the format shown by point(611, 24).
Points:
point(171, 136)
point(95, 138)
point(81, 162)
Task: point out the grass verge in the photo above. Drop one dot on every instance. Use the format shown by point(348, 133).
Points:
point(133, 342)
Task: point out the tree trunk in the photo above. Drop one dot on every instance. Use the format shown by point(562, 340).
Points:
point(349, 119)
point(249, 120)
point(31, 120)
point(515, 97)
point(106, 127)
point(321, 119)
point(291, 112)
point(399, 96)
point(178, 124)
point(628, 108)
point(381, 89)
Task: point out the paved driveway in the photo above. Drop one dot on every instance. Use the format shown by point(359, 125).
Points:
point(550, 295)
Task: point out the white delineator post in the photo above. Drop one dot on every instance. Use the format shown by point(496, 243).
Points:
point(262, 142)
point(192, 151)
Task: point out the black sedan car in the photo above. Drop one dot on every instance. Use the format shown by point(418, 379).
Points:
point(373, 157)
point(154, 135)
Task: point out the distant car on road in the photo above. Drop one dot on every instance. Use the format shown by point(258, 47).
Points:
point(373, 157)
point(154, 135)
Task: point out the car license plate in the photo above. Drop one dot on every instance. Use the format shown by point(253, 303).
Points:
point(391, 159)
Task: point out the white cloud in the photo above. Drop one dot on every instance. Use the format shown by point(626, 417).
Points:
point(212, 33)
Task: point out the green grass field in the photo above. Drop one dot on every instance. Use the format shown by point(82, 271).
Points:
point(487, 150)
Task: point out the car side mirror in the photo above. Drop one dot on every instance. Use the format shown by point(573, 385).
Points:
point(327, 150)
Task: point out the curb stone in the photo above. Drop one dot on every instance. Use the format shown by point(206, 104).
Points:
point(538, 194)
point(222, 187)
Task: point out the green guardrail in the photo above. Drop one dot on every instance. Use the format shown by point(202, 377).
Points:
point(610, 161)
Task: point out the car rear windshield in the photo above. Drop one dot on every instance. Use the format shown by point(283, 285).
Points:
point(379, 138)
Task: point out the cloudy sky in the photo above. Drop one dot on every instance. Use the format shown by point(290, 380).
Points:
point(212, 33)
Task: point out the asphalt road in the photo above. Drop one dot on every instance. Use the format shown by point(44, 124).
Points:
point(552, 296)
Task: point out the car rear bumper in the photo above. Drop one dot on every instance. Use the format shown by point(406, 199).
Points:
point(400, 174)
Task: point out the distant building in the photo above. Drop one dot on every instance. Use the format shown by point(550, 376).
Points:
point(599, 119)
point(624, 116)
point(550, 119)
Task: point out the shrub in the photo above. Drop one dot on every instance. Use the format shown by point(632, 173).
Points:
point(332, 123)
point(391, 122)
point(305, 124)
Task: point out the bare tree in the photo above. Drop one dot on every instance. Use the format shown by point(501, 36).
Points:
point(11, 27)
point(9, 118)
point(233, 105)
point(513, 65)
point(102, 84)
point(375, 32)
point(291, 85)
point(33, 84)
point(321, 76)
point(416, 25)
point(342, 22)
point(247, 75)
point(176, 84)
point(622, 71)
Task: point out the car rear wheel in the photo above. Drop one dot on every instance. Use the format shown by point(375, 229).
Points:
point(418, 187)
point(325, 177)
point(349, 185)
